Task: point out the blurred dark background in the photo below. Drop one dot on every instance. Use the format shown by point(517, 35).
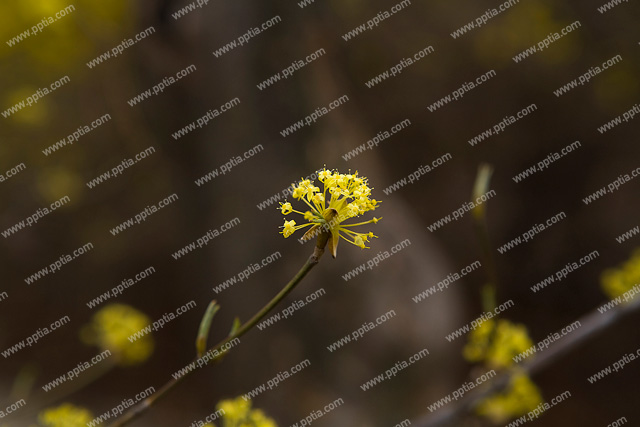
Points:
point(65, 47)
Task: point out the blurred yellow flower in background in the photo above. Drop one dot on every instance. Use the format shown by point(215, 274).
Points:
point(110, 329)
point(36, 114)
point(497, 345)
point(65, 415)
point(56, 182)
point(238, 413)
point(617, 281)
point(520, 397)
point(60, 41)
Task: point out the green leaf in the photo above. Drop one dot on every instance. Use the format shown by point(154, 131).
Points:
point(234, 328)
point(205, 325)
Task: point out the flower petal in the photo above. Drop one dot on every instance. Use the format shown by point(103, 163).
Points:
point(311, 233)
point(333, 242)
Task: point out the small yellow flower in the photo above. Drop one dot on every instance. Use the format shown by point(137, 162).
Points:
point(348, 196)
point(618, 281)
point(497, 345)
point(65, 415)
point(298, 192)
point(286, 208)
point(520, 397)
point(324, 174)
point(289, 228)
point(110, 329)
point(238, 413)
point(318, 198)
point(353, 209)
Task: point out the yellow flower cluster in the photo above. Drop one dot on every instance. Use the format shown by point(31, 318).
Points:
point(520, 397)
point(65, 415)
point(343, 196)
point(110, 329)
point(496, 343)
point(238, 413)
point(616, 282)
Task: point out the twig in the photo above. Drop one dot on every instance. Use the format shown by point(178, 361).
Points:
point(591, 324)
point(138, 409)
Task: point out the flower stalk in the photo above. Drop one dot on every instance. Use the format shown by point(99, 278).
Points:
point(141, 407)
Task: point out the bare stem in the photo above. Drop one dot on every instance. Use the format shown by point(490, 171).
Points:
point(138, 409)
